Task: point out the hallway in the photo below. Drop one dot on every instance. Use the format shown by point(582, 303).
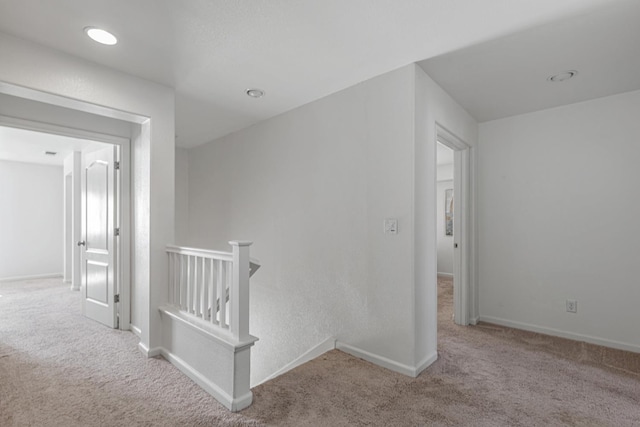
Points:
point(58, 368)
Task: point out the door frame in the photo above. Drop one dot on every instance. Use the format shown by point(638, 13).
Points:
point(123, 215)
point(464, 289)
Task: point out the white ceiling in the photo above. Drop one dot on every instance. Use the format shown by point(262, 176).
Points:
point(27, 146)
point(508, 76)
point(211, 51)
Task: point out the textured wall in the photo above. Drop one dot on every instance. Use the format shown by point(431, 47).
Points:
point(311, 188)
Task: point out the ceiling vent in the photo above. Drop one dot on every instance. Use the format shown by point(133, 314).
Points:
point(50, 153)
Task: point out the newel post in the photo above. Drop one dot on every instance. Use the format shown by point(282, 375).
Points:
point(239, 292)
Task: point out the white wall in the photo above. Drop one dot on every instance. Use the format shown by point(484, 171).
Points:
point(433, 107)
point(31, 214)
point(445, 243)
point(558, 219)
point(311, 188)
point(52, 77)
point(182, 195)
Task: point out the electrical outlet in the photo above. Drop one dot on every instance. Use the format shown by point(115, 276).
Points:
point(572, 306)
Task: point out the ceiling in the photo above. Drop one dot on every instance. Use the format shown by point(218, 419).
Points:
point(211, 51)
point(508, 76)
point(27, 146)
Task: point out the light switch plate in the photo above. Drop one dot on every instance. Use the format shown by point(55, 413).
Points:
point(391, 226)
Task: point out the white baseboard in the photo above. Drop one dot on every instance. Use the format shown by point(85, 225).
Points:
point(449, 275)
point(316, 351)
point(412, 371)
point(32, 277)
point(136, 331)
point(563, 334)
point(149, 352)
point(229, 402)
point(426, 362)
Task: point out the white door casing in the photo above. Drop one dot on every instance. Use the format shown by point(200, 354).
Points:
point(462, 230)
point(123, 188)
point(99, 244)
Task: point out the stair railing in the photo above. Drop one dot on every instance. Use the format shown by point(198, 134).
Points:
point(213, 286)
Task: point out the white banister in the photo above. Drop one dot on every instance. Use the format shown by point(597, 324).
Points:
point(205, 323)
point(202, 282)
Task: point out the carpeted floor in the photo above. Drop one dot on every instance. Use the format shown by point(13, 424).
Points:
point(60, 369)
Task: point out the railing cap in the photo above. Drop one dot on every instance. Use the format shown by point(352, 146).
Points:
point(240, 243)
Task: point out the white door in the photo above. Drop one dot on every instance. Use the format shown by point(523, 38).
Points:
point(99, 244)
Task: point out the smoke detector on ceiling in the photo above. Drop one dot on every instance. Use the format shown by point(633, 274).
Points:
point(563, 76)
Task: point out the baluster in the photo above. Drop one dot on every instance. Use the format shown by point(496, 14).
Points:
point(189, 293)
point(203, 290)
point(177, 271)
point(171, 279)
point(196, 285)
point(183, 272)
point(212, 290)
point(222, 309)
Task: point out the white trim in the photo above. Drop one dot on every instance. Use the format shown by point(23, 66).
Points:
point(316, 351)
point(449, 275)
point(474, 320)
point(382, 361)
point(464, 287)
point(43, 127)
point(234, 405)
point(149, 352)
point(70, 103)
point(222, 337)
point(426, 362)
point(563, 334)
point(31, 277)
point(136, 331)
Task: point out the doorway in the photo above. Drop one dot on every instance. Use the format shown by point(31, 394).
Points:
point(94, 175)
point(456, 217)
point(445, 227)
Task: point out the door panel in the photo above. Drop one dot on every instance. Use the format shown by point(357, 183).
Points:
point(99, 196)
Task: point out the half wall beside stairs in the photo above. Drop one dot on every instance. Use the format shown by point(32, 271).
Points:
point(205, 324)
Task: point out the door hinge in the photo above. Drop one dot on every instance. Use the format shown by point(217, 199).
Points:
point(116, 165)
point(116, 298)
point(116, 232)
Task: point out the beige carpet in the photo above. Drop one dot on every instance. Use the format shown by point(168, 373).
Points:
point(60, 369)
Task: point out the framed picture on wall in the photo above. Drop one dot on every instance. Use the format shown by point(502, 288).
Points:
point(448, 212)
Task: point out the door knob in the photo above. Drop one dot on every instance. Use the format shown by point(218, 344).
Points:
point(82, 243)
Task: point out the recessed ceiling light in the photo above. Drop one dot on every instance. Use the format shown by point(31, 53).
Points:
point(101, 36)
point(565, 75)
point(255, 93)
